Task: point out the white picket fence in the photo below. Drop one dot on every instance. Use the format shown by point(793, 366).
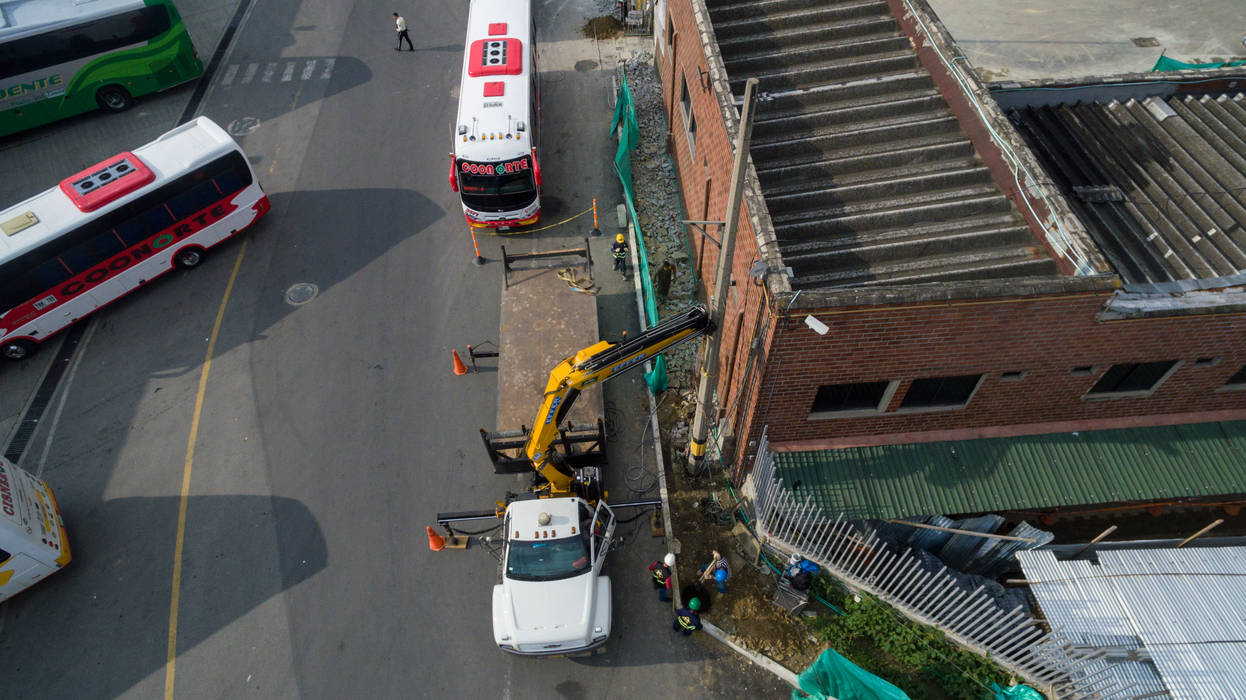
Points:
point(1012, 639)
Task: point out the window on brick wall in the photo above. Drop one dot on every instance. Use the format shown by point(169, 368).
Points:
point(670, 30)
point(1237, 382)
point(685, 102)
point(940, 392)
point(1134, 379)
point(692, 135)
point(844, 400)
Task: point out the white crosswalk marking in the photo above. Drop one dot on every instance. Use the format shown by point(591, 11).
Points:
point(270, 71)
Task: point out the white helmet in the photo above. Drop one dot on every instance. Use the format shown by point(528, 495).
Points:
point(669, 559)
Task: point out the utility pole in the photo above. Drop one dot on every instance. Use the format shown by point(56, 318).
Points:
point(722, 283)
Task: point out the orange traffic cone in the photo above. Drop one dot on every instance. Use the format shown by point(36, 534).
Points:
point(435, 542)
point(459, 367)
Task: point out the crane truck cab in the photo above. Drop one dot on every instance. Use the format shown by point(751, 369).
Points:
point(552, 597)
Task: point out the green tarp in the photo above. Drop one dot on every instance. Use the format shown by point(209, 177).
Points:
point(1166, 63)
point(626, 126)
point(833, 676)
point(1013, 692)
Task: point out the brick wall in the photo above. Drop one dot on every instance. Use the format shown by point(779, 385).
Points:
point(704, 173)
point(1045, 338)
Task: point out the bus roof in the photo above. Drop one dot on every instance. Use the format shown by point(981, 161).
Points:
point(20, 18)
point(174, 153)
point(494, 99)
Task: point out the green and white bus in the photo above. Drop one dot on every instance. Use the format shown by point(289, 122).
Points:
point(59, 58)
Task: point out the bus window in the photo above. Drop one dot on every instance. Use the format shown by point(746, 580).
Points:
point(195, 199)
point(4, 556)
point(92, 251)
point(145, 225)
point(112, 33)
point(39, 279)
point(230, 182)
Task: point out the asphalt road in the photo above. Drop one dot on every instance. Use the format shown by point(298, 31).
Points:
point(325, 435)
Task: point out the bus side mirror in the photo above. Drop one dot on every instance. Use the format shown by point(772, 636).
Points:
point(454, 181)
point(536, 169)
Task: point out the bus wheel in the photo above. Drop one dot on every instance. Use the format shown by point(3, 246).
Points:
point(114, 98)
point(187, 258)
point(17, 349)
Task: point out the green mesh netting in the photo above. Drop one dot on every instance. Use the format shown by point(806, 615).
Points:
point(629, 140)
point(1166, 63)
point(833, 676)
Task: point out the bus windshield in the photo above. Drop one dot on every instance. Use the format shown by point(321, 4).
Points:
point(497, 187)
point(547, 560)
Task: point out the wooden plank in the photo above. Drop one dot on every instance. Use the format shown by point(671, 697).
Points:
point(542, 322)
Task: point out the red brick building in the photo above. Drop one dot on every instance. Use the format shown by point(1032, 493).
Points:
point(928, 270)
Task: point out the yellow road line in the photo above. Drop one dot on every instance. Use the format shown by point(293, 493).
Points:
point(169, 665)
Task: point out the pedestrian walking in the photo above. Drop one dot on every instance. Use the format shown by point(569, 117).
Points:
point(400, 26)
point(686, 618)
point(717, 569)
point(619, 252)
point(661, 576)
point(662, 280)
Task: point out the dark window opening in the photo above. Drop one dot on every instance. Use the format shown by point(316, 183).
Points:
point(866, 396)
point(940, 391)
point(1239, 377)
point(1083, 371)
point(692, 136)
point(1142, 376)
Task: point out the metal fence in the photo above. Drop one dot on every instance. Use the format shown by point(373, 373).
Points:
point(1013, 639)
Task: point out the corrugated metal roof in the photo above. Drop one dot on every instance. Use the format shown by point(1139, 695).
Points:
point(1182, 607)
point(1029, 472)
point(1160, 184)
point(867, 175)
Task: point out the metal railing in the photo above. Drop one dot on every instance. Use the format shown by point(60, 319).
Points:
point(1012, 638)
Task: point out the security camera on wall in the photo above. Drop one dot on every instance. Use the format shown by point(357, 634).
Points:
point(816, 326)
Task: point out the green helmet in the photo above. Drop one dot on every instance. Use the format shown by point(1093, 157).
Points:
point(695, 604)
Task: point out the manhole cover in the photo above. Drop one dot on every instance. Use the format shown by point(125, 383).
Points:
point(1146, 41)
point(301, 293)
point(243, 126)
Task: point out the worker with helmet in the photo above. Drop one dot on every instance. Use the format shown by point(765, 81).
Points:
point(719, 570)
point(661, 576)
point(619, 252)
point(686, 618)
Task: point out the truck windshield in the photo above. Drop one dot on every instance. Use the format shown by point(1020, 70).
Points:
point(547, 560)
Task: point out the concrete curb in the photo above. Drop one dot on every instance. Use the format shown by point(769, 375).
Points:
point(758, 659)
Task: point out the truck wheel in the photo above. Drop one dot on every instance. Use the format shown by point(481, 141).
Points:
point(114, 98)
point(17, 349)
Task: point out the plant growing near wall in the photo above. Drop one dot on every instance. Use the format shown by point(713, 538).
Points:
point(917, 658)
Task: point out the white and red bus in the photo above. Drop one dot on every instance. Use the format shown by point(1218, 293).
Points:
point(117, 225)
point(494, 165)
